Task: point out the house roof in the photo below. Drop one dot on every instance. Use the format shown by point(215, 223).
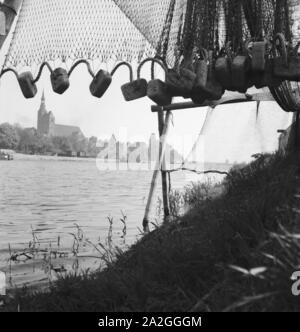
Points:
point(65, 131)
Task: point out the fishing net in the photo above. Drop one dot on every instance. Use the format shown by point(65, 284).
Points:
point(118, 30)
point(226, 136)
point(105, 30)
point(287, 21)
point(49, 30)
point(63, 31)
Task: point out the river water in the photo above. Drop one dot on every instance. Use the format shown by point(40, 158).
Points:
point(47, 204)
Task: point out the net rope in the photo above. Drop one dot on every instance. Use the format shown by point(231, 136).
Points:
point(186, 165)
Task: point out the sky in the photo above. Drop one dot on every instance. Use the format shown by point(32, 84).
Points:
point(234, 133)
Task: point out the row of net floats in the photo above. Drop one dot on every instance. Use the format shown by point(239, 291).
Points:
point(201, 76)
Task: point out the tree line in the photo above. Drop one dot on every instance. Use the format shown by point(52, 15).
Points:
point(29, 141)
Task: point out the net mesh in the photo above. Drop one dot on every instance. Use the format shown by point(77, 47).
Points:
point(216, 144)
point(49, 30)
point(119, 30)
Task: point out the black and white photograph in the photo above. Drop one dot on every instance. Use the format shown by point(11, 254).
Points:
point(149, 159)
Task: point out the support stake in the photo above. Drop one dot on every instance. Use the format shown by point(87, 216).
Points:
point(165, 190)
point(297, 130)
point(156, 172)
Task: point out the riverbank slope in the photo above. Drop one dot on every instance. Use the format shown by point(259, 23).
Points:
point(235, 252)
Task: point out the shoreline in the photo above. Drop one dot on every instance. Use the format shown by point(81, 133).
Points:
point(218, 166)
point(22, 156)
point(200, 262)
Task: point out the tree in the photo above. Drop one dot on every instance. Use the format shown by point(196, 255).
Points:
point(61, 145)
point(92, 146)
point(9, 137)
point(78, 142)
point(44, 144)
point(29, 142)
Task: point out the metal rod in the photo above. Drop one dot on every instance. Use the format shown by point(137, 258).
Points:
point(156, 172)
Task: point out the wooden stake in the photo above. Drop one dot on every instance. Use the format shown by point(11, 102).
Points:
point(228, 98)
point(297, 129)
point(156, 172)
point(164, 179)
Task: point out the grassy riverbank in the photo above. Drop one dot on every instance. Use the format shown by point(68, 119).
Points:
point(233, 252)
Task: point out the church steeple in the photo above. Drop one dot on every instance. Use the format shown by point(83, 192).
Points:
point(42, 121)
point(43, 99)
point(43, 109)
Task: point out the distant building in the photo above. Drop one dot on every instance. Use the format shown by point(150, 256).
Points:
point(107, 150)
point(138, 152)
point(122, 152)
point(46, 124)
point(153, 150)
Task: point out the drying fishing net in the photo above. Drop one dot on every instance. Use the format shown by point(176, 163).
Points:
point(227, 136)
point(60, 31)
point(103, 30)
point(287, 20)
point(49, 30)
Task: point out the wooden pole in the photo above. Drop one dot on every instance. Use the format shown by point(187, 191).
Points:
point(229, 98)
point(156, 172)
point(164, 179)
point(297, 129)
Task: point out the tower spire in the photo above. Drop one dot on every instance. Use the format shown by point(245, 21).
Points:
point(42, 109)
point(43, 97)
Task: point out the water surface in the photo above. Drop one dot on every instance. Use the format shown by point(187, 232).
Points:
point(48, 196)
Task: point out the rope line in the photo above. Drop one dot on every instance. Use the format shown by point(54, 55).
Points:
point(77, 63)
point(45, 64)
point(8, 70)
point(195, 171)
point(123, 63)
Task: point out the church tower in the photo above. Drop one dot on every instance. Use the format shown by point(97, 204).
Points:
point(42, 115)
point(46, 120)
point(46, 125)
